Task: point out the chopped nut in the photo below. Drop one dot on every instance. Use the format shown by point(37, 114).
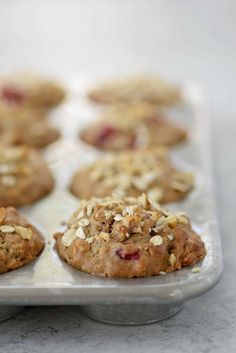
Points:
point(89, 240)
point(7, 229)
point(130, 210)
point(171, 221)
point(26, 233)
point(80, 233)
point(89, 210)
point(137, 229)
point(161, 220)
point(68, 237)
point(80, 214)
point(156, 240)
point(84, 222)
point(143, 200)
point(170, 236)
point(107, 215)
point(196, 269)
point(172, 259)
point(182, 220)
point(105, 236)
point(118, 217)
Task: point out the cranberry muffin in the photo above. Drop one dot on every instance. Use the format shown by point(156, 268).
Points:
point(132, 173)
point(126, 238)
point(20, 241)
point(24, 176)
point(38, 134)
point(32, 90)
point(132, 127)
point(142, 88)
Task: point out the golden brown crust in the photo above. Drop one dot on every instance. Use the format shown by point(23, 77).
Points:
point(20, 241)
point(13, 121)
point(24, 176)
point(110, 137)
point(128, 238)
point(151, 89)
point(134, 126)
point(131, 174)
point(30, 90)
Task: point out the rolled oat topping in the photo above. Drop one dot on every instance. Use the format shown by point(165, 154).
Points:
point(25, 233)
point(115, 219)
point(142, 88)
point(131, 174)
point(13, 164)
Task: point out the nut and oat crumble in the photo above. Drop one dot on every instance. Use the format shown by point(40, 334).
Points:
point(131, 174)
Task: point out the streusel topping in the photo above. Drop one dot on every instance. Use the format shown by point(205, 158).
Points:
point(147, 171)
point(9, 228)
point(122, 219)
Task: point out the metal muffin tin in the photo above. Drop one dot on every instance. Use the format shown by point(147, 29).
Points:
point(50, 281)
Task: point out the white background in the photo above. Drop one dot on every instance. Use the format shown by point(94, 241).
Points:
point(181, 39)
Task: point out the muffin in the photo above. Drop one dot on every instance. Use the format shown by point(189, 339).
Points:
point(131, 127)
point(38, 134)
point(32, 90)
point(24, 176)
point(143, 88)
point(20, 113)
point(126, 238)
point(20, 241)
point(132, 173)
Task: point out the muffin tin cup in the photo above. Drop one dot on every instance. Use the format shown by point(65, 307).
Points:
point(50, 281)
point(131, 315)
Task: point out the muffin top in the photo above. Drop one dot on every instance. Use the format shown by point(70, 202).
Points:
point(20, 241)
point(131, 174)
point(30, 89)
point(129, 237)
point(24, 176)
point(39, 132)
point(122, 220)
point(142, 88)
point(134, 127)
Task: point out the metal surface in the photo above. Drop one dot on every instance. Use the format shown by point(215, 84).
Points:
point(128, 314)
point(49, 280)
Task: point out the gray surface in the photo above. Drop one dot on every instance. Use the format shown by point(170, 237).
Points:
point(183, 39)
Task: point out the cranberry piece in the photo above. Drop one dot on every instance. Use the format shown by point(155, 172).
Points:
point(128, 256)
point(155, 118)
point(12, 95)
point(132, 142)
point(105, 133)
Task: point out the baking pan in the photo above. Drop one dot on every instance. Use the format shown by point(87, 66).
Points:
point(50, 281)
